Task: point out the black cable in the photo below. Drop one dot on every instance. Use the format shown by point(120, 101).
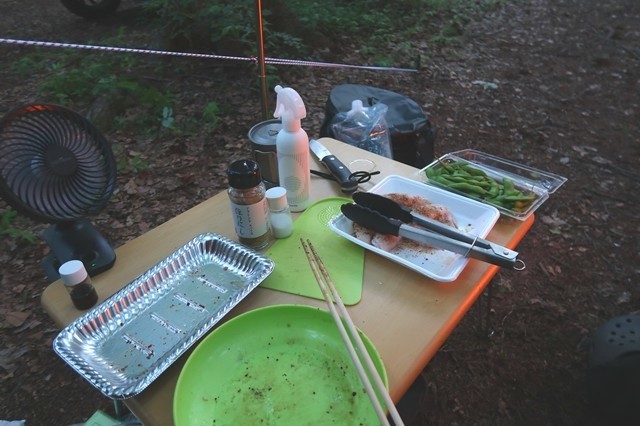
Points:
point(360, 177)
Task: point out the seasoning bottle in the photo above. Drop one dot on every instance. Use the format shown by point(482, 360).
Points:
point(248, 203)
point(77, 282)
point(279, 212)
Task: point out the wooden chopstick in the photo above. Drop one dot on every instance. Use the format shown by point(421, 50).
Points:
point(324, 280)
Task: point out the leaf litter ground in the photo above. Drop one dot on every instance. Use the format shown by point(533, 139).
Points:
point(553, 84)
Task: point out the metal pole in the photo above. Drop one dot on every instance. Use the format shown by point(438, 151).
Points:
point(262, 75)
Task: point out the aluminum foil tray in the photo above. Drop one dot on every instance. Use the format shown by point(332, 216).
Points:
point(126, 342)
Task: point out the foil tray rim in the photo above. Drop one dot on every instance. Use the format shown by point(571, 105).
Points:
point(80, 341)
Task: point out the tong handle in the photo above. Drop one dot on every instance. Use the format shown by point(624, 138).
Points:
point(391, 209)
point(371, 219)
point(494, 254)
point(449, 231)
point(475, 247)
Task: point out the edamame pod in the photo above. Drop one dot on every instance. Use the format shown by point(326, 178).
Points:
point(474, 182)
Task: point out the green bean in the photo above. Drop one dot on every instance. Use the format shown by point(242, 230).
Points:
point(439, 179)
point(521, 197)
point(458, 164)
point(493, 190)
point(444, 165)
point(474, 171)
point(431, 174)
point(483, 183)
point(498, 203)
point(455, 178)
point(467, 187)
point(461, 173)
point(508, 186)
point(474, 182)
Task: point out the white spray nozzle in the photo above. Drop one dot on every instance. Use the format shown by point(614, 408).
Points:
point(289, 107)
point(356, 107)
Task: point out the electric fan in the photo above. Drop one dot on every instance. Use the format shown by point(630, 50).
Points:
point(57, 168)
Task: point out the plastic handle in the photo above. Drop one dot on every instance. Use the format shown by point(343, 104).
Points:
point(341, 173)
point(371, 219)
point(385, 206)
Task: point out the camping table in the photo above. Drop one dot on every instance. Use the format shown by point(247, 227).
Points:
point(407, 315)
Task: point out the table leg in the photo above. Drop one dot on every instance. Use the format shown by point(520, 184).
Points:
point(483, 304)
point(409, 404)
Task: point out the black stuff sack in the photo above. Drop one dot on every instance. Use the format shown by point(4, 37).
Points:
point(412, 136)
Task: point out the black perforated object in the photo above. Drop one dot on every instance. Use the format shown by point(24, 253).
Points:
point(620, 336)
point(613, 376)
point(55, 165)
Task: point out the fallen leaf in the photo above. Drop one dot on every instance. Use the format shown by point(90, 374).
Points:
point(16, 318)
point(9, 355)
point(584, 150)
point(553, 220)
point(28, 325)
point(601, 160)
point(19, 288)
point(625, 297)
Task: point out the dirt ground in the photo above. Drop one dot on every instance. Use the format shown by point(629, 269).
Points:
point(553, 84)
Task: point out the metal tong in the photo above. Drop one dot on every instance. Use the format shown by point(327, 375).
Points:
point(385, 216)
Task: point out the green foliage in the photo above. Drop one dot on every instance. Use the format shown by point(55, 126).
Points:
point(28, 64)
point(79, 77)
point(228, 28)
point(398, 27)
point(396, 33)
point(129, 161)
point(134, 164)
point(138, 164)
point(459, 14)
point(211, 114)
point(78, 82)
point(215, 21)
point(8, 228)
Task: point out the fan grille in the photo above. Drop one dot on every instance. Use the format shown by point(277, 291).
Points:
point(54, 164)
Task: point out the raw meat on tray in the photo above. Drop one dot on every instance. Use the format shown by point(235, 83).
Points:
point(417, 204)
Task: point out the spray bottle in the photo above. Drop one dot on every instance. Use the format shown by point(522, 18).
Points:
point(292, 148)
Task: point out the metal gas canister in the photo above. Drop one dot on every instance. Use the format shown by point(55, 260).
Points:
point(263, 143)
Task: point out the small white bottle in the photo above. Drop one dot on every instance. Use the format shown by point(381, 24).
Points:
point(77, 282)
point(292, 149)
point(279, 212)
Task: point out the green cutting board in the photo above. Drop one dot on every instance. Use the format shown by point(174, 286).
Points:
point(343, 260)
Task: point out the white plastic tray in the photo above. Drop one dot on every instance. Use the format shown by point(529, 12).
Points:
point(471, 216)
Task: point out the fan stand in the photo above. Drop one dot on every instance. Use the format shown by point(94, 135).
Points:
point(56, 166)
point(77, 239)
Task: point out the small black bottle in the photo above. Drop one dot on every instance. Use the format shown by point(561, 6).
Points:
point(77, 282)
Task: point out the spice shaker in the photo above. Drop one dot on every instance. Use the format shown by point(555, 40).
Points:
point(279, 212)
point(248, 203)
point(77, 282)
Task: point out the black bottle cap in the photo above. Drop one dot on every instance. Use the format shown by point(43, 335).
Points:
point(244, 174)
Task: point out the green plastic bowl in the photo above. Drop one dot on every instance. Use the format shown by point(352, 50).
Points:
point(284, 365)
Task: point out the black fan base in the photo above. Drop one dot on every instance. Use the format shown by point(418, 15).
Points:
point(76, 240)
